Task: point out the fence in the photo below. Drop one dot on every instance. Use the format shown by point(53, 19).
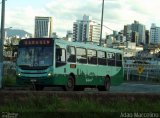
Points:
point(9, 74)
point(142, 72)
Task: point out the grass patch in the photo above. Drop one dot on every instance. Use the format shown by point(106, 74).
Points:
point(9, 78)
point(9, 81)
point(42, 105)
point(48, 103)
point(31, 103)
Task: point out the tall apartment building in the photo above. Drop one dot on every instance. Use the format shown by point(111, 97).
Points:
point(86, 30)
point(43, 27)
point(135, 27)
point(155, 34)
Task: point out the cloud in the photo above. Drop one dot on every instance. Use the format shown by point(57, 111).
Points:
point(68, 13)
point(117, 13)
point(144, 10)
point(129, 10)
point(23, 18)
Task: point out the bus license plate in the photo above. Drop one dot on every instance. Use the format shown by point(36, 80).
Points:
point(33, 80)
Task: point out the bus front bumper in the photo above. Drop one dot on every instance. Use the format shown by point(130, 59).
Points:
point(45, 80)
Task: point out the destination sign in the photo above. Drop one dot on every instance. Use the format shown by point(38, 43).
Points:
point(30, 42)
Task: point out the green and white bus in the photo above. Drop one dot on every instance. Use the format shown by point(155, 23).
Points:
point(72, 65)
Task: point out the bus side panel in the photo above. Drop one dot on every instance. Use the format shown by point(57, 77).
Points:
point(86, 75)
point(81, 74)
point(117, 76)
point(102, 72)
point(60, 78)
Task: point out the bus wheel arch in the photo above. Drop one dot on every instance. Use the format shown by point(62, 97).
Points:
point(70, 85)
point(73, 75)
point(107, 76)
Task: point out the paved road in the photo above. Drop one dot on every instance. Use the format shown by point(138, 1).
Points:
point(129, 87)
point(136, 87)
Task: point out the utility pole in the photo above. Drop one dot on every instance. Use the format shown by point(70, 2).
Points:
point(101, 23)
point(1, 41)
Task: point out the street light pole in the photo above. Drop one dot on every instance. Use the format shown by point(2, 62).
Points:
point(1, 41)
point(100, 41)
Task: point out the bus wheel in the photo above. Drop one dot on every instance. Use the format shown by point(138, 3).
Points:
point(106, 86)
point(70, 84)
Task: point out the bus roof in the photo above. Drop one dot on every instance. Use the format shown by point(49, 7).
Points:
point(88, 45)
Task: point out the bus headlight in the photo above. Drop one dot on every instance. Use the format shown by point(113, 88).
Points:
point(49, 74)
point(19, 74)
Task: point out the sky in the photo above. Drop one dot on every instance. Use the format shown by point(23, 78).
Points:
point(20, 14)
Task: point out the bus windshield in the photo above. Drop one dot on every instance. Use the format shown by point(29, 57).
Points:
point(35, 56)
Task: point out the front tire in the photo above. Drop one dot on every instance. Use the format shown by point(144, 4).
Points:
point(70, 84)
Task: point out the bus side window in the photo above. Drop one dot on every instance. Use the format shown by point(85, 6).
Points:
point(81, 55)
point(111, 58)
point(118, 59)
point(92, 56)
point(71, 54)
point(102, 58)
point(58, 54)
point(60, 57)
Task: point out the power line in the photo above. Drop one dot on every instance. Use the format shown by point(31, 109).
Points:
point(104, 26)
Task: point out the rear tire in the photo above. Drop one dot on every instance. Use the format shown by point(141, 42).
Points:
point(106, 86)
point(70, 84)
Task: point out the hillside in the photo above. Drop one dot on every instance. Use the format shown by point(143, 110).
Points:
point(15, 32)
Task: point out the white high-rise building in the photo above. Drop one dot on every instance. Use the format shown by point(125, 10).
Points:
point(86, 30)
point(155, 34)
point(43, 27)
